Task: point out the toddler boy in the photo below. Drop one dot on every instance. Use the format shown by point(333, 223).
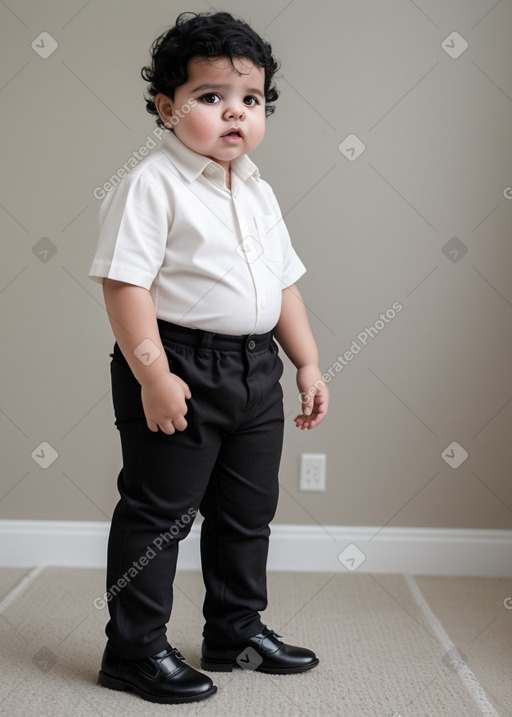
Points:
point(199, 277)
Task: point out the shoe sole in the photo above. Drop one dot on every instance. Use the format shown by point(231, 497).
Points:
point(228, 665)
point(113, 683)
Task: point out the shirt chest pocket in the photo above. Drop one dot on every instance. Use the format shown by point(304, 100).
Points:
point(268, 236)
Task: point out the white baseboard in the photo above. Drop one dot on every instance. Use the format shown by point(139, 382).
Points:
point(418, 551)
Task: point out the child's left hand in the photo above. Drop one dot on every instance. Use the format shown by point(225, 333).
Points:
point(315, 397)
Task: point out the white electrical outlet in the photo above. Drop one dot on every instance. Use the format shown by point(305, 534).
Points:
point(312, 471)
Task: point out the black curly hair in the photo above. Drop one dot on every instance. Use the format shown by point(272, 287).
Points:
point(216, 34)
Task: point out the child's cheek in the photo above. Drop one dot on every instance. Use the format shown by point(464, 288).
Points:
point(200, 124)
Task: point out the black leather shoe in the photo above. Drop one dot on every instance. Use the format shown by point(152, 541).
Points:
point(164, 677)
point(261, 653)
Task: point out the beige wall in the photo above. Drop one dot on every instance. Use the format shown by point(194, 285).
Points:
point(437, 165)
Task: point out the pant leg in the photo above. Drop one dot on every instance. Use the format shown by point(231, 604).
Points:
point(161, 485)
point(239, 503)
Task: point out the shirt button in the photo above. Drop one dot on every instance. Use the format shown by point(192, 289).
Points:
point(263, 305)
point(251, 345)
point(211, 169)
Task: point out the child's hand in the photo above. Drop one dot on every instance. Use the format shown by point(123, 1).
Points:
point(315, 397)
point(164, 404)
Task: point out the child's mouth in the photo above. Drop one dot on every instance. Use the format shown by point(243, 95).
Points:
point(232, 137)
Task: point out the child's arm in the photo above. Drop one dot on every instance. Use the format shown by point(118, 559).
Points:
point(294, 334)
point(131, 312)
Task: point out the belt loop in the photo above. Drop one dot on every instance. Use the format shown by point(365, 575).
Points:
point(206, 343)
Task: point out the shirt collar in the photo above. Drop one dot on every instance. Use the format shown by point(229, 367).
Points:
point(191, 164)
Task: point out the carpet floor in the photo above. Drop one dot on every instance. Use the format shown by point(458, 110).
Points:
point(389, 646)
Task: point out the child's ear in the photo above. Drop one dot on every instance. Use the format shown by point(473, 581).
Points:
point(164, 106)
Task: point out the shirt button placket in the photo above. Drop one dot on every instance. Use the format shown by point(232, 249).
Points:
point(245, 238)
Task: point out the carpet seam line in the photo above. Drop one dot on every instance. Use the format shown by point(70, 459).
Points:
point(468, 678)
point(21, 587)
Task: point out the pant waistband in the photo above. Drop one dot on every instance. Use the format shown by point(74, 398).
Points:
point(209, 340)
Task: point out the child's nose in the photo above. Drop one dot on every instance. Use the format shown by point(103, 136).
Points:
point(235, 110)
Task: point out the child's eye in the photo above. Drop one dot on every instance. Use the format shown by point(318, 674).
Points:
point(210, 98)
point(251, 101)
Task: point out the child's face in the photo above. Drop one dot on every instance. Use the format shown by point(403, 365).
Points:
point(226, 98)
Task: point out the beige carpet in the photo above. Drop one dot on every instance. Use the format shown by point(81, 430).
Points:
point(389, 646)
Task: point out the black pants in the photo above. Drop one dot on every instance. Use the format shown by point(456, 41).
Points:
point(225, 464)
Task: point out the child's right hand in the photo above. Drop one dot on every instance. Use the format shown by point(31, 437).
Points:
point(164, 404)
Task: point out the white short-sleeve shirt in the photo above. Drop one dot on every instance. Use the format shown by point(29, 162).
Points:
point(212, 258)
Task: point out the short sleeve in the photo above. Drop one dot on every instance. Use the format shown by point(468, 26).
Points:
point(293, 268)
point(134, 221)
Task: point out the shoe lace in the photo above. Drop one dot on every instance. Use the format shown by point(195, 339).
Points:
point(174, 651)
point(270, 632)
